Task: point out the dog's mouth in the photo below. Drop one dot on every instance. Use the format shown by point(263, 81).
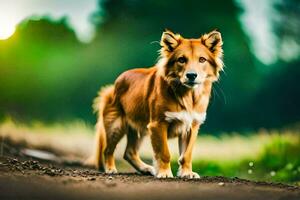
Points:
point(191, 84)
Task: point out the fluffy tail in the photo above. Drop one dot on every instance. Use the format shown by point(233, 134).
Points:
point(105, 96)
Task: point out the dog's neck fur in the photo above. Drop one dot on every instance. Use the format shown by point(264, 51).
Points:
point(188, 98)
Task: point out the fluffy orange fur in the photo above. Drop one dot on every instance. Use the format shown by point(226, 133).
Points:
point(167, 100)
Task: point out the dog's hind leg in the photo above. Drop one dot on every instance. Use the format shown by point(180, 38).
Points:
point(131, 155)
point(115, 129)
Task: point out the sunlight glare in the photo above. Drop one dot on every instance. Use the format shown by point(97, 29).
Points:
point(7, 29)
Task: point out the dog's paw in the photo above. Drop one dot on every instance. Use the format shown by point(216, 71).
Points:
point(164, 174)
point(187, 174)
point(111, 171)
point(147, 170)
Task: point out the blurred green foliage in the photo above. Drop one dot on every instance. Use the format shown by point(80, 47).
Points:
point(278, 162)
point(46, 74)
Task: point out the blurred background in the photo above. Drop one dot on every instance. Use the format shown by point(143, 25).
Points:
point(56, 54)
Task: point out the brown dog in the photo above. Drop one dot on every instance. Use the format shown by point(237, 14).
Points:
point(167, 100)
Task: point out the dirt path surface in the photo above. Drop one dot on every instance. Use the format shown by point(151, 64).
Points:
point(29, 179)
point(24, 177)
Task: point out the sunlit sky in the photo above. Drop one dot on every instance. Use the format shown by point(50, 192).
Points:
point(13, 12)
point(256, 22)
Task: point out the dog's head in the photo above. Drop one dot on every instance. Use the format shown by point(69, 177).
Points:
point(191, 62)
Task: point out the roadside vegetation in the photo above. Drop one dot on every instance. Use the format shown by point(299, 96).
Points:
point(262, 156)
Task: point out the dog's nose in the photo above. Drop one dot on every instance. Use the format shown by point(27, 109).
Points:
point(191, 76)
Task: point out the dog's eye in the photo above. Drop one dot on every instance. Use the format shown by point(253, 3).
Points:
point(181, 60)
point(202, 59)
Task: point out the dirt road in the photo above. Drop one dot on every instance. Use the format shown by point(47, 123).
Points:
point(24, 178)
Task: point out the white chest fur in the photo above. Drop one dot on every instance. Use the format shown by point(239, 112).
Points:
point(185, 118)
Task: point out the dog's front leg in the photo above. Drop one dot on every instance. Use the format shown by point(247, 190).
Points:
point(159, 140)
point(186, 144)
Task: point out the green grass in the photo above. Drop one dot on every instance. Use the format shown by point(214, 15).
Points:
point(279, 161)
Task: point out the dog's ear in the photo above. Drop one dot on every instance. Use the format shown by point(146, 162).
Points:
point(169, 41)
point(213, 41)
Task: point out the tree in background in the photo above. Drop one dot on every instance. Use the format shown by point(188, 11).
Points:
point(47, 74)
